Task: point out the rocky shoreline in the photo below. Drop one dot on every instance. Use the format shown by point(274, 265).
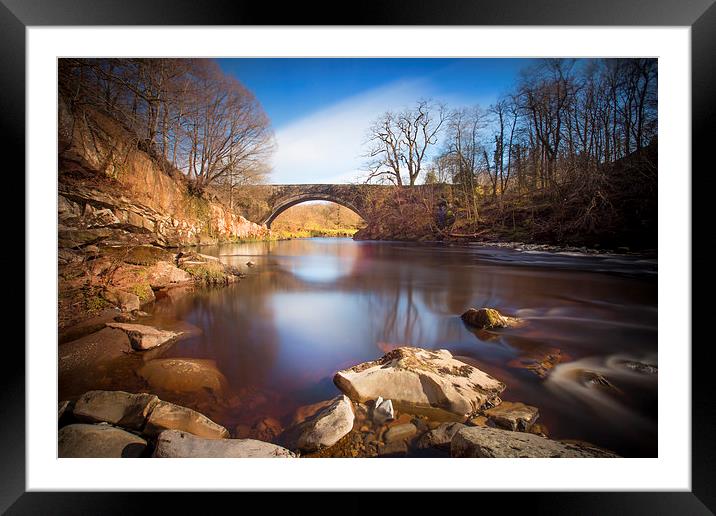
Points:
point(102, 282)
point(411, 402)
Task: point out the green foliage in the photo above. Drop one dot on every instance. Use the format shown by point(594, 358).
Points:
point(312, 233)
point(139, 255)
point(92, 301)
point(143, 291)
point(208, 273)
point(197, 206)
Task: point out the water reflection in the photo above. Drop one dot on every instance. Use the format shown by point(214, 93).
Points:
point(311, 307)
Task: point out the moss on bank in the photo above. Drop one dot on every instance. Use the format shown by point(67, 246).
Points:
point(139, 255)
point(208, 273)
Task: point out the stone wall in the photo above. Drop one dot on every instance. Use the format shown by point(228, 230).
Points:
point(108, 186)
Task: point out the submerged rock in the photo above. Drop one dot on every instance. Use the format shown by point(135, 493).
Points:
point(143, 337)
point(175, 443)
point(183, 375)
point(323, 429)
point(540, 362)
point(488, 319)
point(304, 412)
point(476, 441)
point(105, 441)
point(515, 416)
point(439, 437)
point(265, 429)
point(594, 379)
point(415, 378)
point(168, 416)
point(115, 407)
point(639, 367)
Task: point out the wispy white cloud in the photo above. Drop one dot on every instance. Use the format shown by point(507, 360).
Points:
point(327, 146)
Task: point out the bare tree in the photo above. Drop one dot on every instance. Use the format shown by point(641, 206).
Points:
point(399, 142)
point(185, 112)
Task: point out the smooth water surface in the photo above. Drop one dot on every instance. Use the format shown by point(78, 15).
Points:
point(311, 307)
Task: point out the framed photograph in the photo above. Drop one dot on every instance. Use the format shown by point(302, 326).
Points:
point(438, 249)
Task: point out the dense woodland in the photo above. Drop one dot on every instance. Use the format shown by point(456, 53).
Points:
point(571, 149)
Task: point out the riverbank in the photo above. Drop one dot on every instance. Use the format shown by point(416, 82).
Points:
point(248, 355)
point(102, 282)
point(385, 410)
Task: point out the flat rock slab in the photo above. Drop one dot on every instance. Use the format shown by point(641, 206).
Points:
point(115, 407)
point(415, 378)
point(183, 375)
point(85, 354)
point(143, 337)
point(515, 416)
point(168, 416)
point(439, 437)
point(178, 444)
point(323, 429)
point(400, 432)
point(476, 441)
point(81, 440)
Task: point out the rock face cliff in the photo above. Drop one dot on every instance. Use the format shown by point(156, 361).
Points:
point(110, 191)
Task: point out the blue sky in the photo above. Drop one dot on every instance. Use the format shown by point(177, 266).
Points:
point(320, 109)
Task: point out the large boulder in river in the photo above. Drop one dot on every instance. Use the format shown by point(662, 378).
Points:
point(143, 337)
point(174, 443)
point(415, 378)
point(115, 407)
point(478, 441)
point(168, 416)
point(515, 416)
point(184, 375)
point(81, 440)
point(487, 319)
point(323, 429)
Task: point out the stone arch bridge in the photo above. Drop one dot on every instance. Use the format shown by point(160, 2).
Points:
point(358, 198)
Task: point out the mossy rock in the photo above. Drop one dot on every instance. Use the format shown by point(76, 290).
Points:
point(209, 273)
point(93, 301)
point(486, 318)
point(141, 255)
point(144, 292)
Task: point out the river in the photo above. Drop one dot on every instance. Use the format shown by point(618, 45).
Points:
point(311, 307)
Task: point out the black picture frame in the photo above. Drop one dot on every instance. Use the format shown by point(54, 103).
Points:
point(700, 15)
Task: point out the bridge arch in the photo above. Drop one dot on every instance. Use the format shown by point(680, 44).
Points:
point(285, 204)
